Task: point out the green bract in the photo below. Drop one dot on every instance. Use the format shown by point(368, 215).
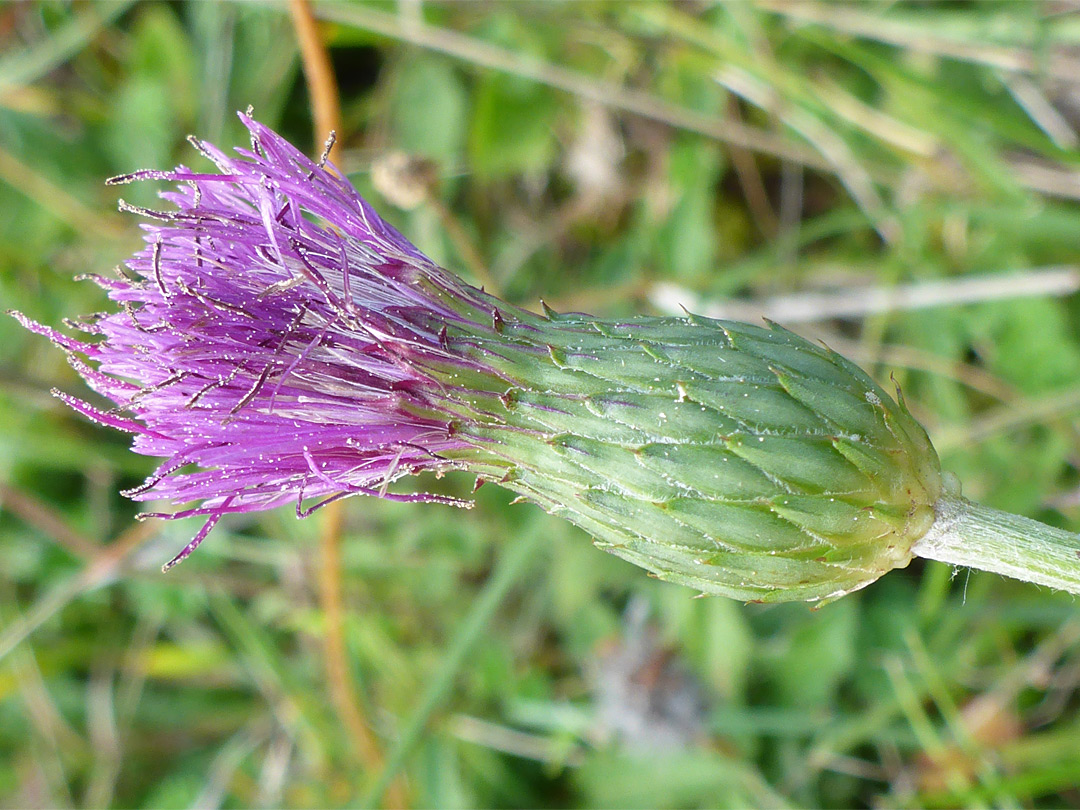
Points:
point(735, 459)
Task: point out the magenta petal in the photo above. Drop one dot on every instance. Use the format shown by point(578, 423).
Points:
point(263, 340)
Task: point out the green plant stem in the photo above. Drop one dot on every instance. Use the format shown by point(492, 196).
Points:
point(508, 571)
point(977, 536)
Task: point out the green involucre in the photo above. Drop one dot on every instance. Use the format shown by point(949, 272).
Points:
point(735, 459)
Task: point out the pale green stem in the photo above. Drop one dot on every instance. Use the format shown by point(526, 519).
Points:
point(976, 536)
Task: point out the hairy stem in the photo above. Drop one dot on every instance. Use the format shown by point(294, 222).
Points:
point(976, 536)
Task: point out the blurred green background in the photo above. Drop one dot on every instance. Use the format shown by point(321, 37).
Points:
point(900, 180)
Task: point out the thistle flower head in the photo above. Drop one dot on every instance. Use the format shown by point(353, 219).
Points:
point(276, 341)
point(263, 339)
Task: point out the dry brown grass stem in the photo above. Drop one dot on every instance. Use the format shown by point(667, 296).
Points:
point(40, 515)
point(866, 22)
point(1016, 415)
point(58, 201)
point(336, 659)
point(318, 72)
point(326, 115)
point(615, 96)
point(100, 568)
point(752, 184)
point(464, 245)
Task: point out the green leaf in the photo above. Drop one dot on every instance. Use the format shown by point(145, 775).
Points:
point(511, 127)
point(429, 110)
point(687, 242)
point(819, 655)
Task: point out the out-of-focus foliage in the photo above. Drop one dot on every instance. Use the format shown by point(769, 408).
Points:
point(590, 154)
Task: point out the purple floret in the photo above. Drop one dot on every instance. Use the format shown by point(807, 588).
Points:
point(263, 342)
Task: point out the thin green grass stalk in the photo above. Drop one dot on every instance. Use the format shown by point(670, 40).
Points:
point(509, 570)
point(22, 67)
point(294, 707)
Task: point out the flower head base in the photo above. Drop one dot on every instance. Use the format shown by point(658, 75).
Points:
point(278, 342)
